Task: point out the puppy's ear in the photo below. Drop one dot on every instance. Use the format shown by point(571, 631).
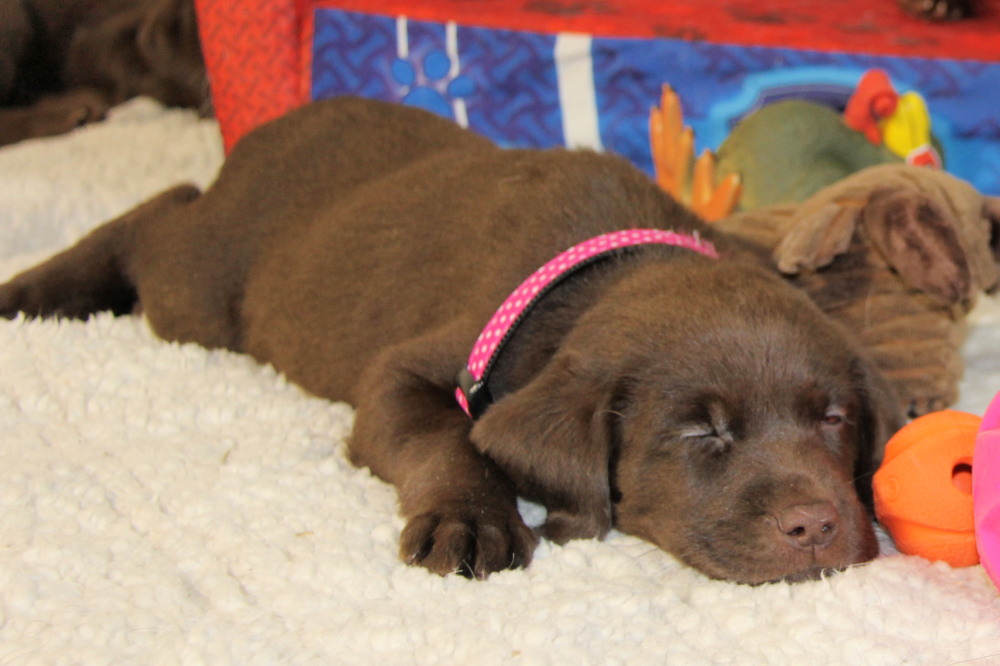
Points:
point(817, 237)
point(555, 438)
point(881, 415)
point(917, 237)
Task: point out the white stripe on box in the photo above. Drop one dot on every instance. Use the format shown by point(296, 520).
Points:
point(577, 96)
point(402, 38)
point(451, 48)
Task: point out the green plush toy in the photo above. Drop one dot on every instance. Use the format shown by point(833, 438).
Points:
point(788, 151)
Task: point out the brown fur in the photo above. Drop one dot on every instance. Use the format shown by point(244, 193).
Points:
point(706, 406)
point(939, 10)
point(899, 255)
point(64, 63)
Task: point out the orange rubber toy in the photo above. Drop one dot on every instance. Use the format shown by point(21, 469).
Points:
point(923, 490)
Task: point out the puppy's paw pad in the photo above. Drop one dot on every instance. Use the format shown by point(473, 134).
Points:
point(473, 544)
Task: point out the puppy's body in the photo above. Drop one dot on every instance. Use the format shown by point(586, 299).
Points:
point(359, 247)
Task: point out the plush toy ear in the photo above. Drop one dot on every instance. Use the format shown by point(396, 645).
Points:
point(560, 421)
point(818, 237)
point(916, 236)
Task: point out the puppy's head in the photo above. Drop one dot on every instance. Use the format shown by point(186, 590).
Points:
point(712, 410)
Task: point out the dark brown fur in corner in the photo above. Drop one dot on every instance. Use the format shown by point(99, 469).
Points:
point(64, 63)
point(938, 10)
point(706, 406)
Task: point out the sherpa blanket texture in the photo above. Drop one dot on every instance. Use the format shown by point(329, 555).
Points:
point(165, 504)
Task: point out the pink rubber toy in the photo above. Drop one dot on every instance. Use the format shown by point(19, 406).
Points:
point(986, 491)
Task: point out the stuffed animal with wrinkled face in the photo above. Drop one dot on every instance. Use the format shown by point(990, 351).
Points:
point(899, 255)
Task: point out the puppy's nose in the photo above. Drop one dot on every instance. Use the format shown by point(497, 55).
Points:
point(808, 525)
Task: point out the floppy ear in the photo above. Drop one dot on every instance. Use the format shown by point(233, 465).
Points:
point(818, 236)
point(916, 236)
point(554, 437)
point(881, 415)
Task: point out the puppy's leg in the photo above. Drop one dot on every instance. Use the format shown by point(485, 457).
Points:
point(92, 276)
point(460, 508)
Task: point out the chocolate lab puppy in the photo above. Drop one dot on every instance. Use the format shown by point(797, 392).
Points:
point(700, 403)
point(64, 63)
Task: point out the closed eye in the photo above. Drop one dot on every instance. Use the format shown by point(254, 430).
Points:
point(706, 438)
point(706, 428)
point(696, 431)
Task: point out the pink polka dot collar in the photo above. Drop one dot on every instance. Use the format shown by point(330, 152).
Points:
point(472, 393)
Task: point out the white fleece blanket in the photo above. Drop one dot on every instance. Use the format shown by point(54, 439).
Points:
point(163, 504)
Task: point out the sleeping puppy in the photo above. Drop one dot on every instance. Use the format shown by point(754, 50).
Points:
point(700, 403)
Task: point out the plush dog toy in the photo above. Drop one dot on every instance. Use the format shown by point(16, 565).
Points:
point(899, 255)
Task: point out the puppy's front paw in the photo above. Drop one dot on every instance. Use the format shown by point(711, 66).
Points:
point(60, 114)
point(469, 539)
point(24, 295)
point(11, 300)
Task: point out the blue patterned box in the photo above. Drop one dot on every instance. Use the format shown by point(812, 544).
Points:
point(537, 90)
